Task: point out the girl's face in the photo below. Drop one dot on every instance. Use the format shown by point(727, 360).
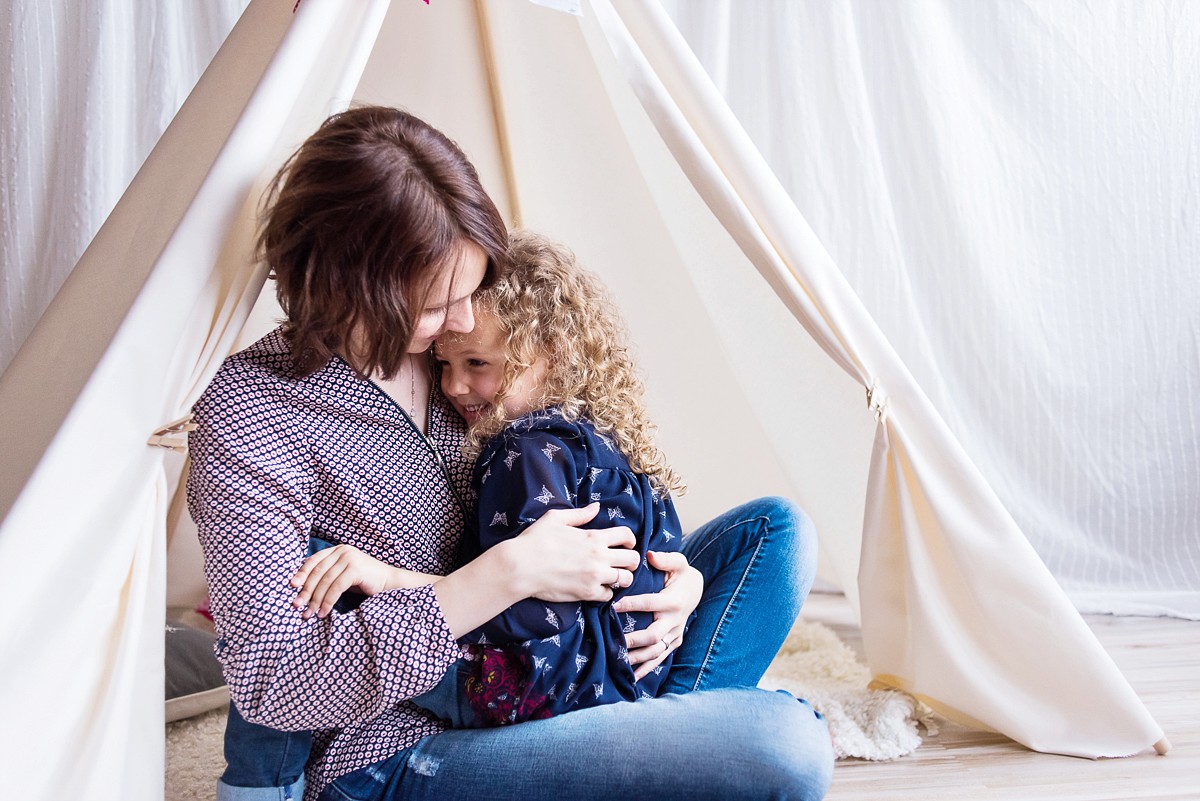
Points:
point(473, 369)
point(450, 298)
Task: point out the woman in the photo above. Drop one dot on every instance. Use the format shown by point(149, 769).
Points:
point(330, 428)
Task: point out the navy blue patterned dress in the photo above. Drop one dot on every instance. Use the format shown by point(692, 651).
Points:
point(538, 659)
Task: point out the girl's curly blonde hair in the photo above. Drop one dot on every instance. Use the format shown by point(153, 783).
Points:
point(550, 307)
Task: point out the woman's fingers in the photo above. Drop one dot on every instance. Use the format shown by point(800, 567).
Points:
point(616, 537)
point(620, 541)
point(573, 517)
point(679, 596)
point(671, 608)
point(650, 602)
point(653, 635)
point(649, 656)
point(670, 562)
point(623, 578)
point(568, 563)
point(640, 672)
point(624, 559)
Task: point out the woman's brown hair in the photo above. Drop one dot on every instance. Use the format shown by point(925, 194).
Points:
point(358, 223)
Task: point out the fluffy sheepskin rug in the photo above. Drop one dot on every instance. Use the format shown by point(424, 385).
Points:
point(866, 723)
point(813, 664)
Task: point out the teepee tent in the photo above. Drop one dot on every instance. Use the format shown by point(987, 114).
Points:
point(600, 129)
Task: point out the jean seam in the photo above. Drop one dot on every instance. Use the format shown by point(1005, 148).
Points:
point(733, 596)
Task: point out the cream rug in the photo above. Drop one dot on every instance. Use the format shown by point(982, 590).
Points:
point(195, 759)
point(865, 723)
point(813, 664)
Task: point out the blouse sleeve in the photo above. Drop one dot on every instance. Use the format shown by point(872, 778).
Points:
point(531, 474)
point(250, 492)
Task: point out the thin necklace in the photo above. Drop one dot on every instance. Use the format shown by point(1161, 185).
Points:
point(412, 384)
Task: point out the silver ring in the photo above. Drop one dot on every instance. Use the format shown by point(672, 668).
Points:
point(666, 644)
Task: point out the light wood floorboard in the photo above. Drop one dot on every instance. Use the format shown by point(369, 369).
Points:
point(1159, 656)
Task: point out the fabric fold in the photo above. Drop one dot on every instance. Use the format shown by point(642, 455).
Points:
point(946, 577)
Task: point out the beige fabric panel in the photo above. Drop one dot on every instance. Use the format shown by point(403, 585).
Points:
point(152, 307)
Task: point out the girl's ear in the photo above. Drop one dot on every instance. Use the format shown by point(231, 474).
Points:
point(541, 370)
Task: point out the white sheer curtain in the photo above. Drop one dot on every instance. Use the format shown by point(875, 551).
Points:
point(88, 88)
point(1011, 189)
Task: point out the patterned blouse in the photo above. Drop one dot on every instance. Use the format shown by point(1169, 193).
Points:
point(556, 657)
point(276, 459)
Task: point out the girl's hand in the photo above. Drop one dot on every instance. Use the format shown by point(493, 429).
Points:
point(671, 606)
point(328, 573)
point(561, 562)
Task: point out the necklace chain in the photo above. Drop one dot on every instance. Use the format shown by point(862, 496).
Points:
point(412, 384)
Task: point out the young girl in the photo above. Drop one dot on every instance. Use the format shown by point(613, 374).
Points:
point(554, 402)
point(548, 385)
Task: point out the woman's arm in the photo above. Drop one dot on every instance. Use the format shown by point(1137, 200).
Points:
point(552, 559)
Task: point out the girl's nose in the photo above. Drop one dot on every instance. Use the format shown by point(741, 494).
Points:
point(452, 386)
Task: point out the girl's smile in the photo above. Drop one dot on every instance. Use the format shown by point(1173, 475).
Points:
point(473, 372)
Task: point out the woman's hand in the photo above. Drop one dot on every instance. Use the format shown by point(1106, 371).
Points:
point(671, 606)
point(328, 573)
point(553, 560)
point(561, 562)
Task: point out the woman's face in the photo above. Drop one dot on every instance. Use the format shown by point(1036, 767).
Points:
point(473, 369)
point(449, 306)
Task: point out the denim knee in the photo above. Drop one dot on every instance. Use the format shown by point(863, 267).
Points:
point(790, 532)
point(793, 753)
point(785, 515)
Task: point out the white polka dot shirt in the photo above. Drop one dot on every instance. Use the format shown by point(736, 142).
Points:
point(276, 460)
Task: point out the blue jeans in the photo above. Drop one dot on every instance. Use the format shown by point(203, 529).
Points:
point(710, 735)
point(262, 764)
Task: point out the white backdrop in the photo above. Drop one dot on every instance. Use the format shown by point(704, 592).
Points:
point(1013, 189)
point(87, 90)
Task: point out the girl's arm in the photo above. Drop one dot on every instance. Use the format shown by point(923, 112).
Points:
point(330, 572)
point(552, 559)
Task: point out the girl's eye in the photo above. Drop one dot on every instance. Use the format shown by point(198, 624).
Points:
point(477, 362)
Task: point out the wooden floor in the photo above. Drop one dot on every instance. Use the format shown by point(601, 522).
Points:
point(1159, 656)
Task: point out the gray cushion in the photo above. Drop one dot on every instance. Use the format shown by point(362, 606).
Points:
point(194, 680)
